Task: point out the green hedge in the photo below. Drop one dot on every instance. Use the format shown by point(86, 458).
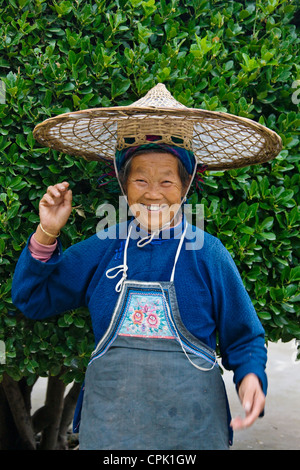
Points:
point(237, 57)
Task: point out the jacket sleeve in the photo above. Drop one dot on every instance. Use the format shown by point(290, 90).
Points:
point(43, 289)
point(241, 334)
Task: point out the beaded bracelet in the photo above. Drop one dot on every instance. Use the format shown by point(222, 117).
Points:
point(47, 233)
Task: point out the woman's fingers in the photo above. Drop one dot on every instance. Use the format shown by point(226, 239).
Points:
point(57, 190)
point(53, 191)
point(56, 193)
point(252, 399)
point(47, 199)
point(54, 209)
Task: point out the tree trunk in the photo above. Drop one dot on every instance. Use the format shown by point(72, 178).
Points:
point(67, 415)
point(54, 405)
point(8, 430)
point(18, 429)
point(19, 411)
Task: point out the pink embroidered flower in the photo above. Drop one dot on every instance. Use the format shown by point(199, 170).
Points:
point(153, 320)
point(137, 317)
point(148, 309)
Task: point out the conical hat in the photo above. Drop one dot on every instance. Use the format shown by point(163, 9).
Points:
point(219, 140)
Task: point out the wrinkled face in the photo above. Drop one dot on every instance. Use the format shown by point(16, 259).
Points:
point(154, 189)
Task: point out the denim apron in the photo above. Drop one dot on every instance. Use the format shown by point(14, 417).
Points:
point(150, 384)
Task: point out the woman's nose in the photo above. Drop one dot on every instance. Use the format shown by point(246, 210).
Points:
point(153, 192)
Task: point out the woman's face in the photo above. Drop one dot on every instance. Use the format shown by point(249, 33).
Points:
point(154, 189)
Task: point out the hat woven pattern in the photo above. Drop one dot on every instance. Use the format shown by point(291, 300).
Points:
point(219, 140)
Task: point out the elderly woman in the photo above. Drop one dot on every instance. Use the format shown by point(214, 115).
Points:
point(153, 381)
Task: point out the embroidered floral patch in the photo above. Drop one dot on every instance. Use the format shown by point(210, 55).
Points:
point(145, 315)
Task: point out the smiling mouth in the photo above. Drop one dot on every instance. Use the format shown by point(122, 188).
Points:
point(155, 207)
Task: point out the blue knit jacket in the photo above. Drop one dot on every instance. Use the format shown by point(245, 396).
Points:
point(210, 292)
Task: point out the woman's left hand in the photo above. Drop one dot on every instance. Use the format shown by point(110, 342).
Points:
point(253, 402)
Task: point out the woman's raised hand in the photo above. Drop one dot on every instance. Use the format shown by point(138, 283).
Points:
point(55, 208)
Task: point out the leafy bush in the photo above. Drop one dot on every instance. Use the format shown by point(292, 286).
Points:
point(59, 56)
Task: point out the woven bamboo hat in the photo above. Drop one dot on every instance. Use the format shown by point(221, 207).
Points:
point(220, 141)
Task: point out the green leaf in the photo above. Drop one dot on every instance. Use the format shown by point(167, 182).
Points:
point(265, 315)
point(55, 370)
point(267, 236)
point(119, 86)
point(13, 210)
point(295, 274)
point(267, 223)
point(79, 322)
point(245, 229)
point(63, 8)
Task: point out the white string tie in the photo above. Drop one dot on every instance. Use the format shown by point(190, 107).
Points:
point(122, 268)
point(148, 239)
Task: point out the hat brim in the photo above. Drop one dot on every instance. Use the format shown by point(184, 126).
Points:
point(221, 141)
